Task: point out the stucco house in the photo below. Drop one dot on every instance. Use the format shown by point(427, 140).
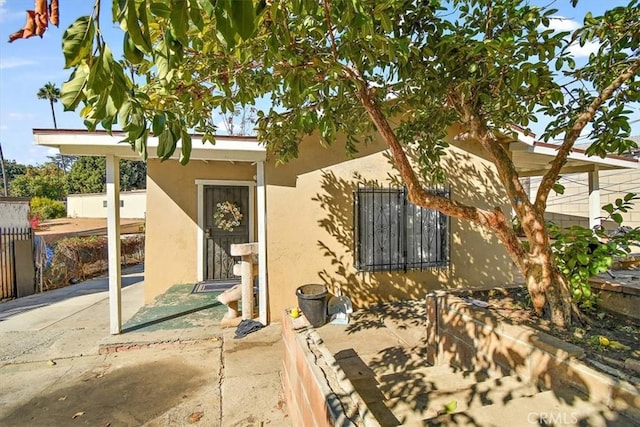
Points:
point(321, 218)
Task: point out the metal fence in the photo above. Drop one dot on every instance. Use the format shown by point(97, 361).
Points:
point(8, 273)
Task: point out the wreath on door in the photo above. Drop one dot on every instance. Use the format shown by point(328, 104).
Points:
point(227, 216)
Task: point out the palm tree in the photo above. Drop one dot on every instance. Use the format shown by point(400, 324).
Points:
point(4, 173)
point(50, 92)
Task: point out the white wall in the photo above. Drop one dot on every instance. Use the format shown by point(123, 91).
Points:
point(133, 204)
point(572, 207)
point(14, 212)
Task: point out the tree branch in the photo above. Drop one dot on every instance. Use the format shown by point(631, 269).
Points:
point(488, 24)
point(549, 179)
point(327, 16)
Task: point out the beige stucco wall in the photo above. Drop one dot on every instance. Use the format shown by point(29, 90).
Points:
point(171, 248)
point(133, 205)
point(309, 224)
point(572, 207)
point(310, 227)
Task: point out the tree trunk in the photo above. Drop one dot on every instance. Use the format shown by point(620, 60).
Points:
point(53, 114)
point(547, 286)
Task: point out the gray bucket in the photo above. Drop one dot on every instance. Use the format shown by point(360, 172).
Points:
point(312, 300)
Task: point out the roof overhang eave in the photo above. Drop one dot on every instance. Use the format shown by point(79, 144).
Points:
point(83, 143)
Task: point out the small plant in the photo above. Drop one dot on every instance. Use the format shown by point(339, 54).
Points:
point(582, 253)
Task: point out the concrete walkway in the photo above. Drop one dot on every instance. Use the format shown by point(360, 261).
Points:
point(58, 363)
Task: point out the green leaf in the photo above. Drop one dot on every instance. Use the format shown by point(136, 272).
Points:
point(124, 113)
point(144, 24)
point(617, 218)
point(131, 52)
point(117, 9)
point(180, 19)
point(583, 258)
point(243, 17)
point(558, 188)
point(224, 27)
point(162, 63)
point(77, 41)
point(185, 151)
point(160, 9)
point(159, 121)
point(166, 144)
point(140, 144)
point(208, 6)
point(101, 74)
point(385, 21)
point(72, 90)
point(195, 14)
point(129, 24)
point(451, 407)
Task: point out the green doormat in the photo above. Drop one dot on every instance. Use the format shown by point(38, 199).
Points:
point(178, 308)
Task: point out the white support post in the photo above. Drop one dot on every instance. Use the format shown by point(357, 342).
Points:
point(594, 198)
point(113, 239)
point(262, 243)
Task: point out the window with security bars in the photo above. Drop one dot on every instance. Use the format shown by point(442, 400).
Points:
point(393, 234)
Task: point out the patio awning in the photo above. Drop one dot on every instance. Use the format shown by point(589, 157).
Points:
point(100, 143)
point(533, 158)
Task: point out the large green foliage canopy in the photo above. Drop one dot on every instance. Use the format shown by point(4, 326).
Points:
point(433, 62)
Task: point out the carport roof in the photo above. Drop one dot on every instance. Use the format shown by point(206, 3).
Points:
point(84, 143)
point(532, 158)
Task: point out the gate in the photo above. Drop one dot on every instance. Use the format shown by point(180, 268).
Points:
point(16, 262)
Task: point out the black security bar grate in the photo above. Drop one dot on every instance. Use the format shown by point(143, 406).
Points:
point(393, 234)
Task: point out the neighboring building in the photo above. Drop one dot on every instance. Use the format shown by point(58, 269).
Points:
point(572, 207)
point(14, 212)
point(317, 218)
point(133, 205)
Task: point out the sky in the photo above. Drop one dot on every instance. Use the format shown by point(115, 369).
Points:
point(26, 65)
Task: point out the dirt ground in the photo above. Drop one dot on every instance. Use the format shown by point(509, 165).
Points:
point(175, 385)
point(514, 306)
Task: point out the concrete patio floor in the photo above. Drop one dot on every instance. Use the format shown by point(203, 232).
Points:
point(172, 365)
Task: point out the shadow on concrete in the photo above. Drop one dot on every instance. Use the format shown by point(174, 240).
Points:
point(161, 320)
point(129, 395)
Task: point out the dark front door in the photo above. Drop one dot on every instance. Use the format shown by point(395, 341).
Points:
point(221, 233)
